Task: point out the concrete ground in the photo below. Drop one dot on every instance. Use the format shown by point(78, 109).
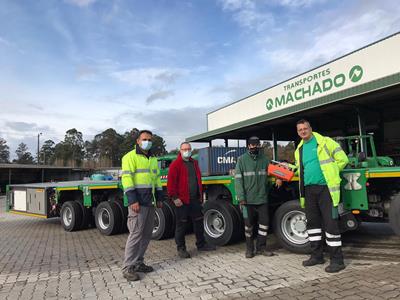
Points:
point(39, 260)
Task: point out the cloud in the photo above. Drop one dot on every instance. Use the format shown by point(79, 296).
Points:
point(299, 3)
point(247, 14)
point(159, 95)
point(149, 77)
point(81, 3)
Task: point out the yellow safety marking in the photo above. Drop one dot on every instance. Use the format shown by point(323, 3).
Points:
point(102, 187)
point(67, 189)
point(40, 190)
point(27, 214)
point(215, 181)
point(382, 175)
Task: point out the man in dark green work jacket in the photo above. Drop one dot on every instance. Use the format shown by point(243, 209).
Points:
point(252, 190)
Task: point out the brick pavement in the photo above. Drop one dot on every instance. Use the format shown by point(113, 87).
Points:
point(39, 260)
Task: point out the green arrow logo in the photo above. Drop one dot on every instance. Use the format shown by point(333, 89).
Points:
point(269, 104)
point(356, 73)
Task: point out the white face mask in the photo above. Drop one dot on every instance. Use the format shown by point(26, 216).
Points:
point(187, 154)
point(146, 145)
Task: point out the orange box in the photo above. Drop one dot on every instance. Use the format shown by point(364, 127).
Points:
point(280, 172)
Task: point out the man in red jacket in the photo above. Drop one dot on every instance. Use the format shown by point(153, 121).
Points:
point(185, 190)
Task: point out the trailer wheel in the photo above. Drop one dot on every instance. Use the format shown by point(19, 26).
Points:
point(221, 223)
point(108, 218)
point(71, 216)
point(164, 222)
point(87, 216)
point(124, 215)
point(394, 213)
point(290, 227)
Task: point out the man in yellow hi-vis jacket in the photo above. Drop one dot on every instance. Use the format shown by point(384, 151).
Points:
point(142, 185)
point(319, 160)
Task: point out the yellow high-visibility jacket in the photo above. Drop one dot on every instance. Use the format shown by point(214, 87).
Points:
point(332, 160)
point(141, 178)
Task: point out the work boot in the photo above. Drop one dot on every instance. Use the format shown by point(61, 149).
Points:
point(144, 268)
point(249, 248)
point(334, 267)
point(182, 253)
point(207, 247)
point(130, 275)
point(264, 252)
point(312, 261)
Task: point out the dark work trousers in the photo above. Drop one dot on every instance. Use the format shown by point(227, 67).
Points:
point(318, 208)
point(256, 215)
point(182, 213)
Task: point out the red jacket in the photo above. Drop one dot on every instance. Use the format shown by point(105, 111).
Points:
point(178, 179)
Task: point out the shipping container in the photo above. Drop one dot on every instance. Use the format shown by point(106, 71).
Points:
point(218, 160)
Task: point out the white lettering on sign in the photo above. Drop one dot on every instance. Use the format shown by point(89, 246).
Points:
point(226, 160)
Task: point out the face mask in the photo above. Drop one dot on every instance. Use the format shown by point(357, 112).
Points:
point(146, 145)
point(254, 151)
point(187, 154)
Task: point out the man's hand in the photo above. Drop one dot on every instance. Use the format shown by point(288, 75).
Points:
point(278, 182)
point(178, 202)
point(135, 207)
point(242, 202)
point(159, 204)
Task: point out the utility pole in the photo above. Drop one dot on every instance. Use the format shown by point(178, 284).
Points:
point(39, 134)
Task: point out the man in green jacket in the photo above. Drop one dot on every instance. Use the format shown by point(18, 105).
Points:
point(252, 190)
point(319, 160)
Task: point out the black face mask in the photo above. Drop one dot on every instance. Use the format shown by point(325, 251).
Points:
point(254, 151)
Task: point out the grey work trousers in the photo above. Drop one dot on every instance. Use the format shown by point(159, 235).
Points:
point(140, 227)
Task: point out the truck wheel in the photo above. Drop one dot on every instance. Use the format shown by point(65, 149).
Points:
point(164, 222)
point(71, 216)
point(290, 227)
point(108, 218)
point(87, 216)
point(221, 223)
point(124, 215)
point(394, 213)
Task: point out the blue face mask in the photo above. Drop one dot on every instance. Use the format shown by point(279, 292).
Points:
point(187, 154)
point(146, 145)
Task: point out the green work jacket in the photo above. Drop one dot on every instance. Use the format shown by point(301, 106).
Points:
point(251, 183)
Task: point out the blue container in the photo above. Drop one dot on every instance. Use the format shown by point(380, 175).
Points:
point(218, 160)
point(97, 177)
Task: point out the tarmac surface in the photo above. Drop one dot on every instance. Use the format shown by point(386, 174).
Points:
point(39, 260)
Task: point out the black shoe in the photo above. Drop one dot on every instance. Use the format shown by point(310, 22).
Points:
point(182, 253)
point(334, 268)
point(249, 254)
point(207, 247)
point(144, 268)
point(264, 252)
point(130, 275)
point(312, 261)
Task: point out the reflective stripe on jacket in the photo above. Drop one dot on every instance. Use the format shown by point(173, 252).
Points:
point(141, 178)
point(332, 160)
point(251, 183)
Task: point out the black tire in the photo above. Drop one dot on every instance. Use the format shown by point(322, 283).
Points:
point(71, 216)
point(394, 213)
point(290, 227)
point(124, 215)
point(108, 218)
point(164, 222)
point(87, 216)
point(221, 223)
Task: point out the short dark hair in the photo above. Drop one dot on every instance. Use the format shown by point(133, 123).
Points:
point(303, 121)
point(143, 131)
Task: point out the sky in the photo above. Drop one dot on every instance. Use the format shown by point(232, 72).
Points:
point(162, 64)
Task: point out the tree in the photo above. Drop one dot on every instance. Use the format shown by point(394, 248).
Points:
point(47, 152)
point(70, 151)
point(108, 147)
point(158, 145)
point(128, 141)
point(23, 156)
point(4, 151)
